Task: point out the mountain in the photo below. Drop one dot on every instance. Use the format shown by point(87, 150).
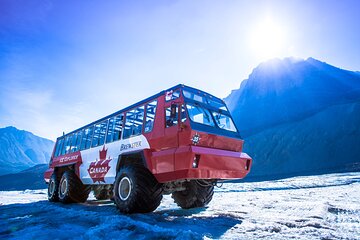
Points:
point(288, 90)
point(20, 150)
point(299, 117)
point(32, 178)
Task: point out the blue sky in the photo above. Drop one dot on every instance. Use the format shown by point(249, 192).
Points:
point(66, 63)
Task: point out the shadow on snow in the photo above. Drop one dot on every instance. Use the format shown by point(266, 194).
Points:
point(101, 219)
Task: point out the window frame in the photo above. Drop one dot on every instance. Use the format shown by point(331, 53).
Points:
point(98, 127)
point(132, 122)
point(146, 116)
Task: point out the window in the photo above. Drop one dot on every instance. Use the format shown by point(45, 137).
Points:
point(59, 145)
point(133, 122)
point(150, 116)
point(200, 115)
point(172, 95)
point(75, 142)
point(86, 138)
point(109, 134)
point(99, 134)
point(206, 99)
point(171, 119)
point(118, 127)
point(194, 96)
point(114, 128)
point(66, 146)
point(76, 146)
point(216, 103)
point(224, 122)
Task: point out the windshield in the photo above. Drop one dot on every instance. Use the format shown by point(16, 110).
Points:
point(204, 116)
point(208, 110)
point(200, 115)
point(224, 122)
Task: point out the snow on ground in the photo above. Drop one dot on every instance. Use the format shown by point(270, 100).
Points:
point(313, 207)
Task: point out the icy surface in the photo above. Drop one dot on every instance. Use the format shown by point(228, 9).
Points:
point(314, 207)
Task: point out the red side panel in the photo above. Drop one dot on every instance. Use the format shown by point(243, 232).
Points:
point(48, 174)
point(66, 160)
point(163, 161)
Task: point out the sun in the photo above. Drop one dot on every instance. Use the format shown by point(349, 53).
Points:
point(267, 39)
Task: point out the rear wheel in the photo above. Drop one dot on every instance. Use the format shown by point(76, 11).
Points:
point(71, 189)
point(53, 188)
point(136, 190)
point(196, 194)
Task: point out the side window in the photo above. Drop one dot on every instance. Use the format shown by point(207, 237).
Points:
point(172, 95)
point(103, 126)
point(114, 128)
point(73, 142)
point(128, 124)
point(66, 146)
point(117, 127)
point(75, 146)
point(83, 139)
point(59, 145)
point(134, 122)
point(110, 130)
point(95, 138)
point(63, 150)
point(150, 116)
point(99, 134)
point(171, 118)
point(86, 138)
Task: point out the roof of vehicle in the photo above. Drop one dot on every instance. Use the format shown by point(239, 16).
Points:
point(140, 103)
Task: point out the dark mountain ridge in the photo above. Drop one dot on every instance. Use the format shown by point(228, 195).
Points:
point(280, 91)
point(31, 178)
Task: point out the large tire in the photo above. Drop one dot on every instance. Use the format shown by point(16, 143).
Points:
point(103, 194)
point(53, 188)
point(195, 195)
point(71, 189)
point(136, 190)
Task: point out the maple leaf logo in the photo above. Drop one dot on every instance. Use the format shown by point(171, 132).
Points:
point(102, 154)
point(100, 167)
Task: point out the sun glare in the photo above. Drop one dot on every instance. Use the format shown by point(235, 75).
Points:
point(267, 40)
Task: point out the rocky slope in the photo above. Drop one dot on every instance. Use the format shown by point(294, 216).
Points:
point(20, 150)
point(288, 90)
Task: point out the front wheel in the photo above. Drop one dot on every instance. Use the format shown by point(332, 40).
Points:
point(196, 194)
point(136, 190)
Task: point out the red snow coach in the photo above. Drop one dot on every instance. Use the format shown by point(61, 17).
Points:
point(180, 141)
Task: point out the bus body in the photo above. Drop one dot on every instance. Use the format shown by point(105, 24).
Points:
point(182, 139)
